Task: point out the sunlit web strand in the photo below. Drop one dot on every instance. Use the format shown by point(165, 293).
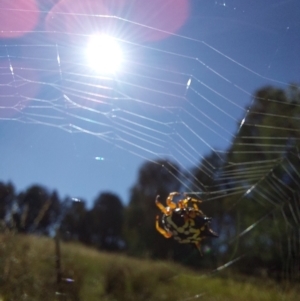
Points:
point(205, 125)
point(154, 29)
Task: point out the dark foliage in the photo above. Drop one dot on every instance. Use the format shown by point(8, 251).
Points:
point(75, 221)
point(254, 192)
point(106, 220)
point(7, 195)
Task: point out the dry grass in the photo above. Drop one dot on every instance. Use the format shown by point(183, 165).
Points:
point(27, 272)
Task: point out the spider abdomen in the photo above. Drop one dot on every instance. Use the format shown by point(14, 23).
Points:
point(188, 225)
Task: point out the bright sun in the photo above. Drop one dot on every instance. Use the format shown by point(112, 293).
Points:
point(104, 54)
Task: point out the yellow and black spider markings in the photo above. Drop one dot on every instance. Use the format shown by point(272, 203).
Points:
point(184, 221)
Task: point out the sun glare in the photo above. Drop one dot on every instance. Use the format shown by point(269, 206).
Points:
point(104, 54)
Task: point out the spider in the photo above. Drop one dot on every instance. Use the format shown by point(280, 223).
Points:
point(187, 224)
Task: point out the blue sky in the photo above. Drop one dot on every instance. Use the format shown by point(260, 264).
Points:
point(81, 133)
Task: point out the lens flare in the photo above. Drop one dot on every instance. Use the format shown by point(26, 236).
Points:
point(104, 54)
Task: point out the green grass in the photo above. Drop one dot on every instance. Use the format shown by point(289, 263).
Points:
point(27, 272)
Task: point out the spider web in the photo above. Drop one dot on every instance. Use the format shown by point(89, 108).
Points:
point(177, 97)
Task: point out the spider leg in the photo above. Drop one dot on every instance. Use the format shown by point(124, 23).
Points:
point(196, 206)
point(162, 231)
point(185, 202)
point(169, 200)
point(162, 208)
point(198, 246)
point(182, 204)
point(189, 199)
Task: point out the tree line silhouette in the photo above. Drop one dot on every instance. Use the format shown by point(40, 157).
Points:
point(255, 207)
